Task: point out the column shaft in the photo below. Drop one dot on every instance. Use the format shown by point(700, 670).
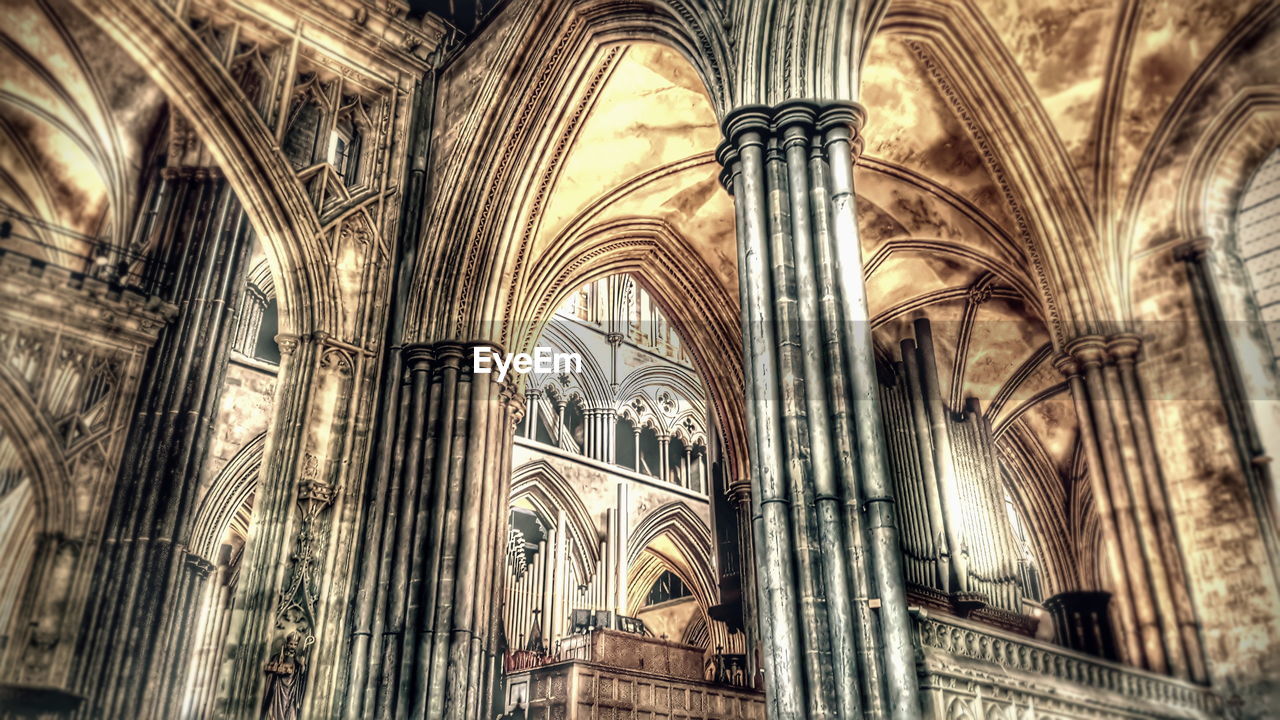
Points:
point(134, 639)
point(816, 441)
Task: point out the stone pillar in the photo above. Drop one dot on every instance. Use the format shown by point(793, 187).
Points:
point(610, 435)
point(532, 399)
point(622, 528)
point(1158, 630)
point(433, 647)
point(637, 455)
point(664, 458)
point(291, 587)
point(136, 634)
point(833, 609)
point(558, 440)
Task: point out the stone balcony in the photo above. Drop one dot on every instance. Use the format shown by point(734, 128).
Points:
point(973, 672)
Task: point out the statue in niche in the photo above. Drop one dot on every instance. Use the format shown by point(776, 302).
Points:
point(286, 681)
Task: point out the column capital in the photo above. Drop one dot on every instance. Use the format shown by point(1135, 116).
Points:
point(747, 120)
point(449, 353)
point(1089, 350)
point(1124, 347)
point(287, 343)
point(795, 118)
point(1067, 365)
point(848, 115)
point(419, 356)
point(1193, 250)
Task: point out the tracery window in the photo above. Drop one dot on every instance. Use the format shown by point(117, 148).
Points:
point(666, 588)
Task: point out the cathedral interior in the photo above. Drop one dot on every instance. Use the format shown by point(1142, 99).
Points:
point(904, 359)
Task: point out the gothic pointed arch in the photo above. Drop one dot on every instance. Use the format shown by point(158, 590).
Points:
point(542, 486)
point(687, 532)
point(24, 425)
point(208, 98)
point(1022, 151)
point(591, 380)
point(227, 495)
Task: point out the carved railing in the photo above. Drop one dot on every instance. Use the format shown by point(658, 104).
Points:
point(965, 640)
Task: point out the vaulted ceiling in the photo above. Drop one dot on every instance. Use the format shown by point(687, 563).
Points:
point(75, 120)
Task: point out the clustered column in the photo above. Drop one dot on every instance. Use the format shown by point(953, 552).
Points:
point(1140, 552)
point(832, 608)
point(426, 633)
point(133, 643)
point(599, 434)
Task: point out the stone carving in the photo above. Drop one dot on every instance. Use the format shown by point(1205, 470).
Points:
point(286, 681)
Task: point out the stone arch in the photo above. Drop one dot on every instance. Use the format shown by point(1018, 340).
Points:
point(520, 141)
point(1240, 138)
point(38, 447)
point(246, 152)
point(675, 378)
point(686, 531)
point(694, 300)
point(259, 278)
point(549, 492)
point(591, 381)
point(227, 494)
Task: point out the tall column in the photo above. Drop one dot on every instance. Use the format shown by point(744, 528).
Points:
point(832, 597)
point(432, 644)
point(135, 638)
point(664, 457)
point(610, 435)
point(1124, 351)
point(532, 399)
point(1157, 623)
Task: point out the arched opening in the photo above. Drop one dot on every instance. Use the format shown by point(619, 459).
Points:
point(625, 444)
point(652, 585)
point(650, 452)
point(18, 535)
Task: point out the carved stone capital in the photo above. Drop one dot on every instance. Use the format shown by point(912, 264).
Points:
point(1089, 350)
point(449, 354)
point(795, 121)
point(1067, 365)
point(287, 343)
point(418, 356)
point(727, 156)
point(1124, 347)
point(747, 125)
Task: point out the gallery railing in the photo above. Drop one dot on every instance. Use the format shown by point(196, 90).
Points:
point(965, 640)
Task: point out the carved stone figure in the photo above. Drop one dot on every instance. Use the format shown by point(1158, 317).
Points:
point(286, 682)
